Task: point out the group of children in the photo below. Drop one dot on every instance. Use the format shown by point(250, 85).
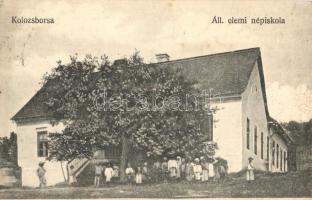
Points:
point(168, 170)
point(137, 175)
point(172, 169)
point(107, 170)
point(191, 170)
point(181, 169)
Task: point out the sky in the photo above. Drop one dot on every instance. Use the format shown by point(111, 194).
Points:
point(180, 28)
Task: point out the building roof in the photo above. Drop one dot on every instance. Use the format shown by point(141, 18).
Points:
point(280, 130)
point(225, 73)
point(36, 107)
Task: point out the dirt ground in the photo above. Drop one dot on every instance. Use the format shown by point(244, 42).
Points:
point(266, 185)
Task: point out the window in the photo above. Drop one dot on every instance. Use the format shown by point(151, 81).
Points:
point(298, 161)
point(206, 126)
point(248, 134)
point(42, 140)
point(210, 127)
point(273, 153)
point(285, 161)
point(255, 140)
point(261, 150)
point(254, 89)
point(268, 148)
point(277, 156)
point(281, 166)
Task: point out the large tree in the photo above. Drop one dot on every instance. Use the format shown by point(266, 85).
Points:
point(145, 107)
point(301, 132)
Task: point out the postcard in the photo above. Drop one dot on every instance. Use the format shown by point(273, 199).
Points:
point(155, 99)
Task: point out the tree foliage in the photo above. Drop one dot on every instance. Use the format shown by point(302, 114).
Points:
point(99, 102)
point(301, 132)
point(8, 148)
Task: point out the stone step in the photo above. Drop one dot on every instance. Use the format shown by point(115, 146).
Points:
point(5, 163)
point(7, 171)
point(10, 177)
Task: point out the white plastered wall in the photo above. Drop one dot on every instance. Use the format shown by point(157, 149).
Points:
point(227, 133)
point(253, 108)
point(27, 154)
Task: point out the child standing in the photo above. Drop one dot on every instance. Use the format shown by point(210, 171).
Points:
point(216, 169)
point(156, 171)
point(108, 173)
point(129, 173)
point(164, 169)
point(189, 170)
point(145, 173)
point(205, 168)
point(98, 173)
point(115, 171)
point(172, 168)
point(41, 175)
point(222, 172)
point(138, 176)
point(72, 176)
point(197, 170)
point(179, 167)
point(250, 170)
point(183, 169)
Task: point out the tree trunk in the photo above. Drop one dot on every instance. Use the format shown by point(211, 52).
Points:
point(65, 180)
point(67, 170)
point(124, 157)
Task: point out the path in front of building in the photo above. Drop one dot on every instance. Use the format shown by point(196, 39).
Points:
point(266, 185)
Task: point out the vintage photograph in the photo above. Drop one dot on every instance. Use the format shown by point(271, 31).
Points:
point(155, 99)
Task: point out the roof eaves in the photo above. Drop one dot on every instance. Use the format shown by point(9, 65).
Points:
point(283, 132)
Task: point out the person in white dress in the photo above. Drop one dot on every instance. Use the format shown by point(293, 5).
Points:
point(138, 176)
point(250, 170)
point(172, 168)
point(197, 170)
point(108, 173)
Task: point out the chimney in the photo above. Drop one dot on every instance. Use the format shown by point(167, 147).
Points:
point(121, 61)
point(163, 57)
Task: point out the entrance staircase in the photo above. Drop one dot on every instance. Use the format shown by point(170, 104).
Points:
point(77, 165)
point(83, 168)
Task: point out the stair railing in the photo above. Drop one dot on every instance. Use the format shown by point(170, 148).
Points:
point(77, 165)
